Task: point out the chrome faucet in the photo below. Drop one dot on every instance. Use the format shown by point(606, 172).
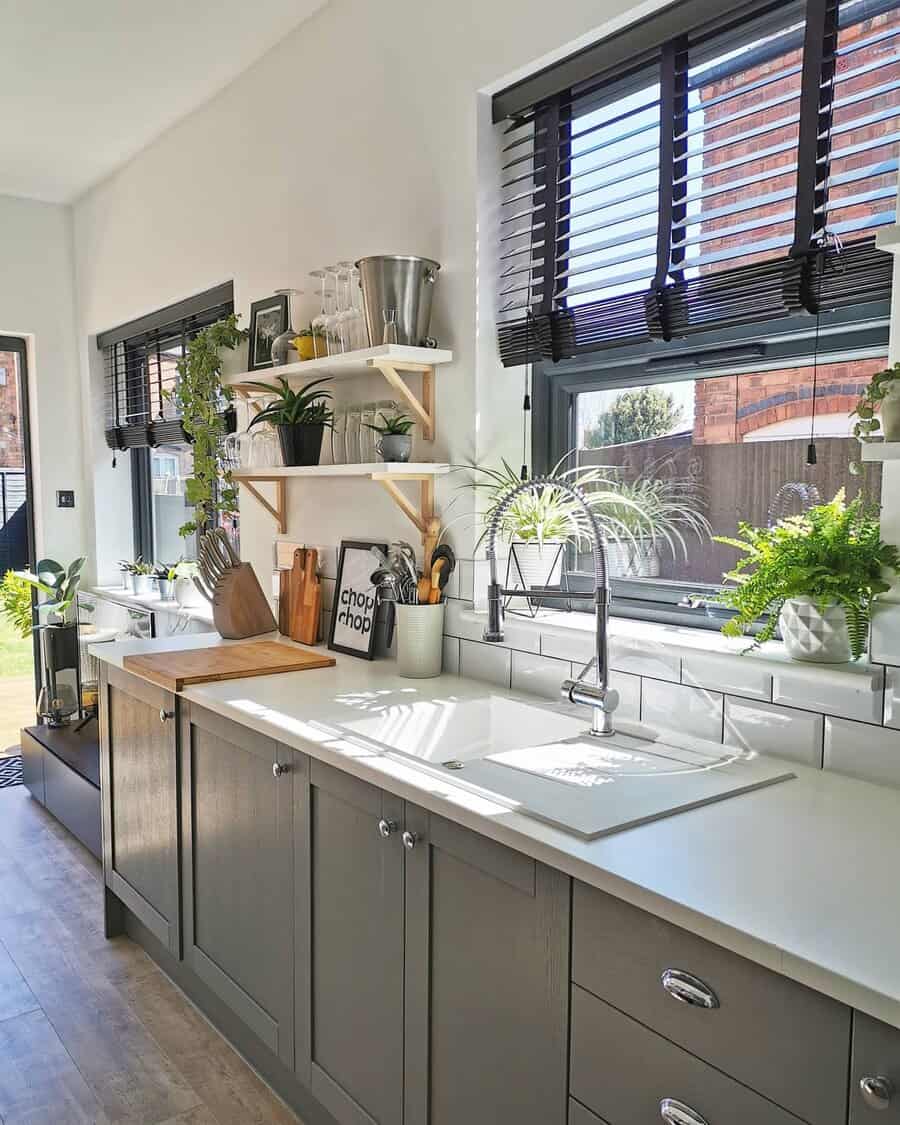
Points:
point(602, 699)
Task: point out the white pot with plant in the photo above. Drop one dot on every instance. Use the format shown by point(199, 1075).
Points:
point(186, 593)
point(878, 411)
point(815, 575)
point(144, 579)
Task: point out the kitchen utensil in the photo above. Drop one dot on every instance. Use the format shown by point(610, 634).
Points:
point(440, 574)
point(404, 283)
point(176, 670)
point(424, 591)
point(239, 606)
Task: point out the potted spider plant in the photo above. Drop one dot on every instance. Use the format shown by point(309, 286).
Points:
point(396, 439)
point(663, 511)
point(300, 418)
point(816, 575)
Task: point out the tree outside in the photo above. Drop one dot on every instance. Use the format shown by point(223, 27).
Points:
point(638, 415)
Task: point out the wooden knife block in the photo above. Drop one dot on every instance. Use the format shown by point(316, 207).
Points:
point(240, 608)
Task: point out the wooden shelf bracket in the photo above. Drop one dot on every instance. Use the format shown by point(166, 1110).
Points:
point(424, 409)
point(423, 518)
point(278, 511)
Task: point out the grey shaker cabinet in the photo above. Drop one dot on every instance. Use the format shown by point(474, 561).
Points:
point(138, 777)
point(349, 975)
point(874, 1072)
point(237, 830)
point(487, 980)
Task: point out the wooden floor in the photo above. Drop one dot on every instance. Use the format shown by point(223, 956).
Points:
point(90, 1030)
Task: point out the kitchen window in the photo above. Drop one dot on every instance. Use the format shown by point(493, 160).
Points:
point(688, 266)
point(142, 421)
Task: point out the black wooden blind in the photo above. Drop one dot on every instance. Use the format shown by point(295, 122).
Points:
point(733, 166)
point(140, 369)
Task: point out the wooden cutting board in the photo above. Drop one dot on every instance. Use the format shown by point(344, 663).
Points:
point(177, 670)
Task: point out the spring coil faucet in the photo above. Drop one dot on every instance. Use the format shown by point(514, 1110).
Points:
point(602, 699)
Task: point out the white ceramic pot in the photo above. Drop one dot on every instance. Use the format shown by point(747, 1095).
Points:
point(144, 585)
point(814, 632)
point(639, 559)
point(890, 414)
point(420, 640)
point(187, 595)
point(127, 581)
point(539, 564)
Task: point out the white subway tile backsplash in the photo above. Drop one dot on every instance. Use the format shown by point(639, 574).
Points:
point(885, 635)
point(489, 662)
point(850, 690)
point(860, 750)
point(451, 656)
point(328, 587)
point(733, 675)
point(629, 689)
point(644, 658)
point(539, 675)
point(892, 697)
point(460, 621)
point(767, 729)
point(692, 711)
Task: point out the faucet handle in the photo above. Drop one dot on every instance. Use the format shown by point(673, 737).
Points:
point(589, 667)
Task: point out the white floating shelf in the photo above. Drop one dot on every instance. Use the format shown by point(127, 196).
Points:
point(414, 470)
point(345, 366)
point(881, 451)
point(389, 474)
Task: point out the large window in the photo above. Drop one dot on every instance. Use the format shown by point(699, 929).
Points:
point(688, 261)
point(142, 420)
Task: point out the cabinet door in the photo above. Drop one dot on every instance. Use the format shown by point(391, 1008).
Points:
point(487, 980)
point(350, 972)
point(139, 786)
point(237, 872)
point(874, 1072)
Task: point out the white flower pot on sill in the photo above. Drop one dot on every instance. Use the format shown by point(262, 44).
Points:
point(638, 559)
point(539, 564)
point(814, 632)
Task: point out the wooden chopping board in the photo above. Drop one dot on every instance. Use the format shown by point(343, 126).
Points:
point(177, 670)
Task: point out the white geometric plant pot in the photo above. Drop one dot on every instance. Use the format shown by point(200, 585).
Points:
point(814, 633)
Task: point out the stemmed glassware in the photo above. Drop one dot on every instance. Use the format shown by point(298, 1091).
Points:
point(332, 331)
point(320, 344)
point(357, 333)
point(283, 350)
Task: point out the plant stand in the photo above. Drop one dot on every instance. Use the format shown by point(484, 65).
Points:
point(533, 601)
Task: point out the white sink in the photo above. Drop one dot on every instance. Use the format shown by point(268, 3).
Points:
point(541, 761)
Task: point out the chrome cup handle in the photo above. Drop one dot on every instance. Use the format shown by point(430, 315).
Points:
point(688, 989)
point(674, 1112)
point(876, 1091)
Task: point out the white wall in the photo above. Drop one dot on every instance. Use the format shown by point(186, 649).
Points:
point(358, 134)
point(37, 302)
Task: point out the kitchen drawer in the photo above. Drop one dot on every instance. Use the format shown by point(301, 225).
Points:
point(780, 1038)
point(876, 1055)
point(623, 1072)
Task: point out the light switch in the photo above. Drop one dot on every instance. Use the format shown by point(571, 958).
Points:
point(65, 498)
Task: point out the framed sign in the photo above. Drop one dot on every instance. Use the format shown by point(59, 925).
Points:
point(355, 602)
point(268, 319)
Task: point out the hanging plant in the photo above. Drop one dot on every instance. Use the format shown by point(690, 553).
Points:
point(200, 396)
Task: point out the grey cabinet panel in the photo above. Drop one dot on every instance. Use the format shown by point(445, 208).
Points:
point(487, 981)
point(876, 1054)
point(622, 1071)
point(355, 957)
point(33, 766)
point(238, 873)
point(73, 801)
point(138, 765)
point(578, 1115)
point(778, 1037)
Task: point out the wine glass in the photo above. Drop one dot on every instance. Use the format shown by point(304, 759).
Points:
point(283, 350)
point(320, 347)
point(358, 333)
point(345, 322)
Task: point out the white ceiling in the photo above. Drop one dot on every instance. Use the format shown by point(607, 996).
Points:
point(86, 84)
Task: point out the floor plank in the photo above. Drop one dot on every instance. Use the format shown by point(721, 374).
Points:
point(122, 1043)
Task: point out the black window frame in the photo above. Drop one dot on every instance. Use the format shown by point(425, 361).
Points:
point(857, 332)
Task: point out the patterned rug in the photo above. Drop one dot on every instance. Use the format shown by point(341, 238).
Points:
point(10, 771)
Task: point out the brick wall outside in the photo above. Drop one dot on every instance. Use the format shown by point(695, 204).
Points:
point(724, 413)
point(10, 431)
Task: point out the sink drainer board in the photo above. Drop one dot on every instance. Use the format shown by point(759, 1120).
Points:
point(596, 787)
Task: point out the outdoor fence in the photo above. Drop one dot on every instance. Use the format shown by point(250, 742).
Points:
point(13, 520)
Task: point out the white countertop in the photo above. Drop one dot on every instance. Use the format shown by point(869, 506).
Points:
point(799, 877)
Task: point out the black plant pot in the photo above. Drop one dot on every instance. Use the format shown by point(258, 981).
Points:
point(301, 444)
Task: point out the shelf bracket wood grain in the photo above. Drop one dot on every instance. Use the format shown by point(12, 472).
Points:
point(423, 517)
point(424, 408)
point(278, 511)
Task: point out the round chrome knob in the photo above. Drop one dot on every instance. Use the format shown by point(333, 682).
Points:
point(165, 715)
point(674, 1112)
point(387, 828)
point(410, 839)
point(279, 768)
point(876, 1091)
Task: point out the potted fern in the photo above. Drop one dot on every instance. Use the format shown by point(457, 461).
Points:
point(300, 417)
point(815, 575)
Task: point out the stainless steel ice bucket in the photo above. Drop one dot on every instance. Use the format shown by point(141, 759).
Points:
point(398, 287)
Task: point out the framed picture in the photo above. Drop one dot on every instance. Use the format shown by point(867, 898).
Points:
point(268, 319)
point(355, 604)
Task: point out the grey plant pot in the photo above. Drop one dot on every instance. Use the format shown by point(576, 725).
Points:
point(395, 447)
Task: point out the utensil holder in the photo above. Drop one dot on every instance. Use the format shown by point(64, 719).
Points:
point(420, 640)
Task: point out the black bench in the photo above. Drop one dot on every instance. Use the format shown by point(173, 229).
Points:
point(61, 768)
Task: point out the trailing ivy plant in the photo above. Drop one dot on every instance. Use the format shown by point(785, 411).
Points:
point(199, 395)
point(832, 554)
